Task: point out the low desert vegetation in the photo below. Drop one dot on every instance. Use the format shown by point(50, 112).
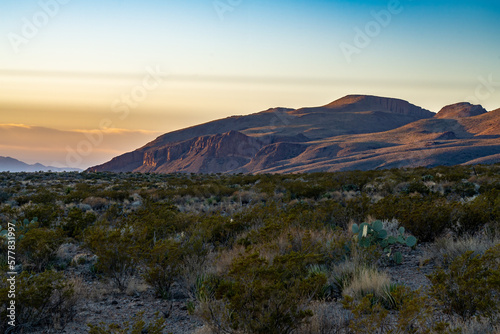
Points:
point(305, 253)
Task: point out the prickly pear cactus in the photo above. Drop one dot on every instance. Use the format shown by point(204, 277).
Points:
point(397, 257)
point(374, 234)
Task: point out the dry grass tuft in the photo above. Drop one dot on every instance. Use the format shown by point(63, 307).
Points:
point(327, 319)
point(445, 250)
point(366, 281)
point(476, 326)
point(136, 286)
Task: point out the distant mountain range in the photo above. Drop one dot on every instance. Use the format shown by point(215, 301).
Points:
point(8, 164)
point(355, 132)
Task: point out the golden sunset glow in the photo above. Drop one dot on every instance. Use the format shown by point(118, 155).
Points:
point(147, 68)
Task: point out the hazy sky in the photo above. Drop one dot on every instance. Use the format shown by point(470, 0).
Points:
point(142, 68)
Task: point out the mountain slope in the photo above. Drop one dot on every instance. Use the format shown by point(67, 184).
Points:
point(8, 164)
point(354, 132)
point(461, 110)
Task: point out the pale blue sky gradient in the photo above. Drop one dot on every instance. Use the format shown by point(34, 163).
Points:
point(262, 54)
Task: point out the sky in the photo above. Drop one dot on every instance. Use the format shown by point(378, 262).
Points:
point(84, 81)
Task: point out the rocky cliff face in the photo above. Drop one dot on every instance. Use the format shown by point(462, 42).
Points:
point(355, 132)
point(205, 154)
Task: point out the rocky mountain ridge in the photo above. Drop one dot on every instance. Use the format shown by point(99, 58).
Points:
point(354, 132)
point(8, 164)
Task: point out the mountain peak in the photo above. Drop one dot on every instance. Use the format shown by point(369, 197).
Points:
point(8, 164)
point(354, 132)
point(359, 103)
point(460, 110)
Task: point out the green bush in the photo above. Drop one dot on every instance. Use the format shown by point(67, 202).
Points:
point(424, 217)
point(470, 286)
point(48, 214)
point(263, 297)
point(163, 265)
point(220, 231)
point(473, 216)
point(77, 221)
point(39, 246)
point(156, 221)
point(117, 253)
point(416, 187)
point(44, 196)
point(369, 317)
point(414, 313)
point(44, 299)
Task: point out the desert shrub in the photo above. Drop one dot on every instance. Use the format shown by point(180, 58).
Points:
point(465, 189)
point(335, 214)
point(357, 208)
point(263, 297)
point(416, 187)
point(474, 215)
point(5, 196)
point(194, 263)
point(78, 194)
point(220, 231)
point(368, 317)
point(308, 241)
point(39, 246)
point(116, 252)
point(270, 231)
point(77, 221)
point(163, 265)
point(136, 326)
point(48, 214)
point(424, 217)
point(337, 247)
point(156, 221)
point(116, 195)
point(97, 203)
point(113, 213)
point(470, 286)
point(43, 196)
point(414, 313)
point(44, 299)
point(300, 189)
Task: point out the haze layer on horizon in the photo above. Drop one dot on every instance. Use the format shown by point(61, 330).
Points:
point(141, 68)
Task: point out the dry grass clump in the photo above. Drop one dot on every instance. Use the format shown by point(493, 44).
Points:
point(327, 319)
point(367, 280)
point(446, 249)
point(136, 286)
point(475, 326)
point(100, 290)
